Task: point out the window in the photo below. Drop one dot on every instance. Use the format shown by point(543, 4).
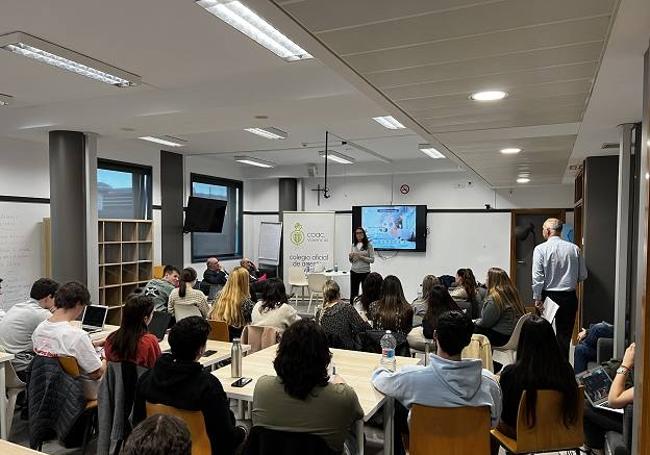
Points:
point(123, 190)
point(228, 243)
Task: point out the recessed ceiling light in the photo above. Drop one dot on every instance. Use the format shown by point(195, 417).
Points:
point(45, 52)
point(510, 150)
point(163, 141)
point(337, 157)
point(242, 18)
point(268, 133)
point(523, 180)
point(431, 151)
point(489, 95)
point(5, 99)
point(254, 162)
point(388, 121)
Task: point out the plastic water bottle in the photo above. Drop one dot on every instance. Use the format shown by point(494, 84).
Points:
point(336, 267)
point(235, 358)
point(388, 345)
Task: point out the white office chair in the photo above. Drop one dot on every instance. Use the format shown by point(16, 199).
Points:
point(316, 282)
point(185, 310)
point(14, 386)
point(507, 353)
point(297, 279)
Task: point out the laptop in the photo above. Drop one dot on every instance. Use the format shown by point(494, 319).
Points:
point(159, 323)
point(94, 318)
point(596, 384)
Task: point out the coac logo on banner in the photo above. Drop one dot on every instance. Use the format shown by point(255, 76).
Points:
point(297, 236)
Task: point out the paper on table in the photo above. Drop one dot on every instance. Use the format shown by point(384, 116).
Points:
point(550, 308)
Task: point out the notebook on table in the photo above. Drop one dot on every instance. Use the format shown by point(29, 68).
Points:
point(596, 385)
point(94, 318)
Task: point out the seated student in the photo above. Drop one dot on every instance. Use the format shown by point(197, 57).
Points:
point(160, 289)
point(56, 337)
point(466, 292)
point(214, 275)
point(501, 310)
point(302, 397)
point(598, 422)
point(274, 309)
point(159, 434)
point(420, 303)
point(539, 366)
point(185, 294)
point(178, 380)
point(448, 381)
point(438, 302)
point(371, 288)
point(339, 320)
point(21, 320)
point(585, 350)
point(392, 311)
point(234, 305)
point(132, 342)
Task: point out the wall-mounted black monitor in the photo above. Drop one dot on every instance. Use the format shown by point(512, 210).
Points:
point(393, 227)
point(204, 215)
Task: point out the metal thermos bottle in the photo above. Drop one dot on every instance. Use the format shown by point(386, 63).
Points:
point(235, 358)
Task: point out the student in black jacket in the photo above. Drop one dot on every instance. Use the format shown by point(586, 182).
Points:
point(179, 380)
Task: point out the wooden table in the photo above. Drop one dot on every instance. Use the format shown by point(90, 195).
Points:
point(355, 368)
point(9, 448)
point(222, 348)
point(4, 358)
point(102, 334)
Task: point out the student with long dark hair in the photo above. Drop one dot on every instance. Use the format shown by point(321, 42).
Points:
point(438, 301)
point(361, 255)
point(465, 288)
point(303, 397)
point(539, 366)
point(274, 309)
point(371, 293)
point(185, 294)
point(392, 311)
point(131, 342)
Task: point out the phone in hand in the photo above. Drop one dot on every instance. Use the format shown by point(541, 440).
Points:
point(209, 353)
point(241, 382)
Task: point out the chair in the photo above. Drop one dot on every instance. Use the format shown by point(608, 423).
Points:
point(185, 310)
point(509, 350)
point(158, 271)
point(479, 348)
point(617, 443)
point(297, 279)
point(195, 422)
point(549, 433)
point(219, 331)
point(452, 431)
point(260, 337)
point(316, 281)
point(14, 386)
point(265, 440)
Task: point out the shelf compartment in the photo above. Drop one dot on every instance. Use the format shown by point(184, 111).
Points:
point(144, 230)
point(112, 253)
point(145, 252)
point(128, 289)
point(129, 231)
point(145, 271)
point(113, 296)
point(112, 231)
point(129, 273)
point(129, 252)
point(113, 275)
point(100, 231)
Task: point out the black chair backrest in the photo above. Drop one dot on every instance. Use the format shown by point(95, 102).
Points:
point(627, 426)
point(264, 441)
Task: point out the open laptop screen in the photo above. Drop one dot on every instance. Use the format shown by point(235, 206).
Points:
point(597, 384)
point(94, 316)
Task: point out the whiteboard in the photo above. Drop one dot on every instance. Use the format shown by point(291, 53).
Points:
point(21, 259)
point(269, 245)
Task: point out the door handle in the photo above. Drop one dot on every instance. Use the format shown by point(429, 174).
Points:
point(521, 262)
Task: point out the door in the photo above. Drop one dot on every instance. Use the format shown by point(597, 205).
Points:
point(525, 235)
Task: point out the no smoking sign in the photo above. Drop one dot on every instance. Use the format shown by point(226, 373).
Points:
point(404, 189)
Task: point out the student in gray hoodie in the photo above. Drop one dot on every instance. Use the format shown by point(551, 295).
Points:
point(448, 380)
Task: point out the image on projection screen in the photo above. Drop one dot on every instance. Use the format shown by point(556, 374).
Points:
point(390, 227)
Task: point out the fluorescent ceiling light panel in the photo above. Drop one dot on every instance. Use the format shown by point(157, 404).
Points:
point(242, 18)
point(254, 162)
point(510, 150)
point(268, 133)
point(5, 99)
point(163, 141)
point(337, 157)
point(432, 152)
point(523, 180)
point(43, 51)
point(388, 121)
point(489, 95)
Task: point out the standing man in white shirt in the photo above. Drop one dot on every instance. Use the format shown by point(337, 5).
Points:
point(558, 266)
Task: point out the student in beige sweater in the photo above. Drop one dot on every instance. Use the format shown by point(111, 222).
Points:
point(274, 309)
point(185, 294)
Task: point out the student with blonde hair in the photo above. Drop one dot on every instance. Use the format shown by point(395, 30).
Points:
point(234, 305)
point(501, 310)
point(340, 321)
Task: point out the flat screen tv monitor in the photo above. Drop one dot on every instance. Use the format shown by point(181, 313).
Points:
point(393, 227)
point(204, 215)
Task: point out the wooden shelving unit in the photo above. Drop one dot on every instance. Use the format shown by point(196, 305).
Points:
point(125, 261)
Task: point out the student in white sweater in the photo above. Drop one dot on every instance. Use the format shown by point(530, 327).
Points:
point(274, 309)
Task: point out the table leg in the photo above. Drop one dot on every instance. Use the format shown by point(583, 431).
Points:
point(3, 403)
point(389, 416)
point(359, 431)
point(240, 410)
